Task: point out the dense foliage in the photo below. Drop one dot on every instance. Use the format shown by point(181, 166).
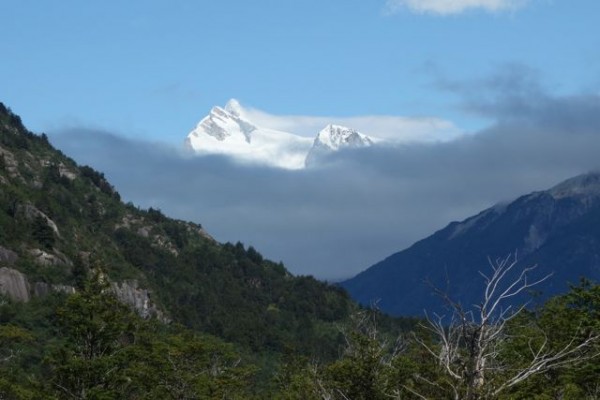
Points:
point(89, 346)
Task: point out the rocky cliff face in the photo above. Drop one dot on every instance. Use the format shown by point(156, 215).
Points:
point(16, 286)
point(128, 292)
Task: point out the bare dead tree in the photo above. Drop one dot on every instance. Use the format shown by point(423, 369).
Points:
point(468, 345)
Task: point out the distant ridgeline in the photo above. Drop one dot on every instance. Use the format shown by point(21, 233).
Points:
point(558, 230)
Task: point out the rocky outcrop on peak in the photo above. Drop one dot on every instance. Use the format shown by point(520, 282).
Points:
point(139, 299)
point(146, 230)
point(61, 168)
point(46, 259)
point(31, 212)
point(198, 230)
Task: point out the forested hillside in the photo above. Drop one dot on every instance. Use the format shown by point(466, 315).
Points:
point(102, 300)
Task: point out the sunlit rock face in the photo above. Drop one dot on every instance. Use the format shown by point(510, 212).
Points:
point(14, 285)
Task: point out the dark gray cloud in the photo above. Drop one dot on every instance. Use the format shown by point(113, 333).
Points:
point(363, 205)
point(516, 94)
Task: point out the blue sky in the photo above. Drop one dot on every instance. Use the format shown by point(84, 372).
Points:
point(154, 68)
point(118, 86)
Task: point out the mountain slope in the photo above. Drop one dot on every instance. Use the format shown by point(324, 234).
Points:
point(59, 220)
point(557, 229)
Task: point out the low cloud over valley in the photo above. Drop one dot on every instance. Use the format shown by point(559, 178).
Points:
point(334, 220)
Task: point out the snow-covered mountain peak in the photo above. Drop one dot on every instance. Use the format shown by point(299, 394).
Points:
point(227, 132)
point(221, 124)
point(333, 138)
point(234, 107)
point(585, 185)
point(336, 136)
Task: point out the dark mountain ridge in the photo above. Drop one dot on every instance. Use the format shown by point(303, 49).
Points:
point(558, 230)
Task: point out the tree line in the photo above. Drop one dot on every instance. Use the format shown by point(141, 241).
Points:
point(90, 346)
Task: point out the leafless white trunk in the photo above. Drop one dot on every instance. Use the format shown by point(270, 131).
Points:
point(468, 344)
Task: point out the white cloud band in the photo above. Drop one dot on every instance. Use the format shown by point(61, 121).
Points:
point(447, 7)
point(392, 128)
